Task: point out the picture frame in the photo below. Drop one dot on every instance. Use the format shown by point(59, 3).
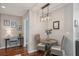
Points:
point(13, 23)
point(56, 24)
point(6, 22)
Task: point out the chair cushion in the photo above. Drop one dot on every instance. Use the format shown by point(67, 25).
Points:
point(41, 44)
point(56, 48)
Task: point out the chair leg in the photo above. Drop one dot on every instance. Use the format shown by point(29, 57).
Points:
point(47, 53)
point(63, 52)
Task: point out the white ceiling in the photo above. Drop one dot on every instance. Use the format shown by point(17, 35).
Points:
point(19, 9)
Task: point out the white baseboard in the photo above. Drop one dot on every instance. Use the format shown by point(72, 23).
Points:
point(2, 47)
point(7, 47)
point(32, 51)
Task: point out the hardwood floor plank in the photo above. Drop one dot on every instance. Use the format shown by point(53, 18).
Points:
point(19, 51)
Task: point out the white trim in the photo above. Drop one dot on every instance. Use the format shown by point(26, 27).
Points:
point(32, 51)
point(7, 47)
point(2, 47)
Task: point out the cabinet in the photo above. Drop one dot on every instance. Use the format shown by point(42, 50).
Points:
point(77, 48)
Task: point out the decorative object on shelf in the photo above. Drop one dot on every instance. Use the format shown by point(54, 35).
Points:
point(56, 25)
point(6, 22)
point(45, 12)
point(13, 23)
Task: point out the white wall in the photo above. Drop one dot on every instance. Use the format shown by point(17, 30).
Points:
point(35, 27)
point(68, 29)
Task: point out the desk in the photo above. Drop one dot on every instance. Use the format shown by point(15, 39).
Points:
point(48, 43)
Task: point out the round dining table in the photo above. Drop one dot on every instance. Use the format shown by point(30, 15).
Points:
point(48, 43)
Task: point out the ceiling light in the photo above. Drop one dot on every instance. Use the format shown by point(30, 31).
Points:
point(3, 7)
point(45, 15)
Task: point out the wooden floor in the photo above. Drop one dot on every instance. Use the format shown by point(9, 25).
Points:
point(16, 51)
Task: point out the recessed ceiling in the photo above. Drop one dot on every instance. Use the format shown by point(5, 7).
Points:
point(18, 9)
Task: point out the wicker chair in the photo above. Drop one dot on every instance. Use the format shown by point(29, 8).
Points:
point(40, 46)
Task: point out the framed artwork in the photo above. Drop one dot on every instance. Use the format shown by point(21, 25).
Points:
point(6, 22)
point(56, 24)
point(13, 23)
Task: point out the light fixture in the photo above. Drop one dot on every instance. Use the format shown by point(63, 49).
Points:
point(3, 7)
point(45, 13)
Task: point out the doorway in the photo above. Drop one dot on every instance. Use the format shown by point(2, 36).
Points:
point(26, 31)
